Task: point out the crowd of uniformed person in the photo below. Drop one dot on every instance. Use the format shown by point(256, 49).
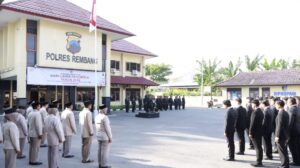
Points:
point(43, 126)
point(271, 124)
point(152, 104)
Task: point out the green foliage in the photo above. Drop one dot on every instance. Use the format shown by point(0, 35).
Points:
point(181, 92)
point(115, 107)
point(252, 65)
point(159, 72)
point(232, 69)
point(295, 63)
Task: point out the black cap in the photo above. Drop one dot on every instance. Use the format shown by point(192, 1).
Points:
point(30, 102)
point(102, 107)
point(87, 103)
point(9, 110)
point(69, 104)
point(22, 107)
point(52, 105)
point(44, 103)
point(55, 102)
point(35, 105)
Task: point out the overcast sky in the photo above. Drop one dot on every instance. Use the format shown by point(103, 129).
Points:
point(182, 31)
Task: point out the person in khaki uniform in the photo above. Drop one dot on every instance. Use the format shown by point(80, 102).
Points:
point(29, 108)
point(69, 127)
point(55, 136)
point(85, 121)
point(44, 114)
point(1, 136)
point(104, 136)
point(35, 125)
point(23, 131)
point(11, 138)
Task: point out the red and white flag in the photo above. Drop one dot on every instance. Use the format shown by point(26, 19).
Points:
point(93, 17)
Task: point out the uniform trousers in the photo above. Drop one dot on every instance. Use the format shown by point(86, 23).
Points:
point(267, 142)
point(44, 137)
point(53, 156)
point(230, 142)
point(22, 144)
point(67, 145)
point(10, 158)
point(103, 151)
point(257, 142)
point(241, 136)
point(283, 153)
point(34, 148)
point(86, 147)
point(295, 149)
point(250, 140)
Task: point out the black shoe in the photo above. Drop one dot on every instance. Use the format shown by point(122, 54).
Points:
point(105, 167)
point(294, 164)
point(68, 156)
point(21, 157)
point(43, 145)
point(269, 158)
point(88, 161)
point(240, 153)
point(257, 165)
point(251, 148)
point(35, 163)
point(275, 151)
point(228, 159)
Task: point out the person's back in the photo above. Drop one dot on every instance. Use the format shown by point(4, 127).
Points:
point(85, 121)
point(241, 118)
point(35, 124)
point(256, 123)
point(68, 122)
point(230, 120)
point(103, 129)
point(268, 120)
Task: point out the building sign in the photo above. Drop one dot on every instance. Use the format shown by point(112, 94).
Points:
point(285, 94)
point(69, 47)
point(61, 77)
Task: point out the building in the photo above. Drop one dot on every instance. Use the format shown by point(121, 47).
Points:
point(128, 72)
point(47, 53)
point(278, 83)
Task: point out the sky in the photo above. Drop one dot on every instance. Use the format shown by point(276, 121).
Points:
point(183, 31)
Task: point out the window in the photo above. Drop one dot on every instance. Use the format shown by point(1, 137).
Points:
point(133, 93)
point(115, 94)
point(115, 65)
point(130, 66)
point(31, 42)
point(254, 93)
point(233, 93)
point(85, 94)
point(265, 92)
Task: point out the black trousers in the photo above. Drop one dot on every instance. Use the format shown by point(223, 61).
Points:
point(258, 148)
point(127, 108)
point(267, 142)
point(283, 154)
point(295, 148)
point(230, 142)
point(140, 107)
point(133, 108)
point(241, 136)
point(183, 106)
point(250, 140)
point(170, 107)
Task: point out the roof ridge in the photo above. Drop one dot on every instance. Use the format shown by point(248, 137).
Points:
point(13, 2)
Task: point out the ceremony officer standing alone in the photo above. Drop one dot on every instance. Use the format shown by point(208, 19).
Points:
point(282, 133)
point(241, 124)
point(87, 132)
point(230, 120)
point(255, 132)
point(55, 136)
point(104, 136)
point(35, 124)
point(11, 138)
point(69, 127)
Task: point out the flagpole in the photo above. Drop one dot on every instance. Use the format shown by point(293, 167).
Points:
point(96, 65)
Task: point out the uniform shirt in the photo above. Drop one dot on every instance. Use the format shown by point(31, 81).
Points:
point(28, 111)
point(35, 124)
point(1, 136)
point(11, 136)
point(68, 122)
point(54, 132)
point(44, 114)
point(85, 121)
point(22, 126)
point(103, 127)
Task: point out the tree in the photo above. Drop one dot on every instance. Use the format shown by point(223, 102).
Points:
point(210, 74)
point(232, 69)
point(159, 72)
point(273, 65)
point(253, 65)
point(295, 63)
point(283, 64)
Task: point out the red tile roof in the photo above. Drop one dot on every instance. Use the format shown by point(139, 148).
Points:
point(61, 10)
point(264, 78)
point(125, 46)
point(132, 81)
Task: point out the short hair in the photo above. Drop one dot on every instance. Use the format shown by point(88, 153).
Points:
point(87, 103)
point(227, 103)
point(256, 102)
point(266, 103)
point(285, 98)
point(239, 100)
point(280, 103)
point(293, 100)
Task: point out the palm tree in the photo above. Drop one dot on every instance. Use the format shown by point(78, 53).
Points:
point(283, 64)
point(232, 69)
point(210, 72)
point(252, 65)
point(295, 63)
point(273, 65)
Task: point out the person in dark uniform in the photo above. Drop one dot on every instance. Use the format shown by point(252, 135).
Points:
point(294, 137)
point(176, 103)
point(267, 129)
point(183, 102)
point(179, 103)
point(140, 103)
point(127, 104)
point(170, 101)
point(282, 133)
point(255, 132)
point(165, 102)
point(133, 103)
point(272, 102)
point(249, 113)
point(241, 125)
point(146, 105)
point(230, 120)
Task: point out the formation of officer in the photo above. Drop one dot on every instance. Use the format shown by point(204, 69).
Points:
point(265, 120)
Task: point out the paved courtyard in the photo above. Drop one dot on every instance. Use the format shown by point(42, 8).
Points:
point(178, 139)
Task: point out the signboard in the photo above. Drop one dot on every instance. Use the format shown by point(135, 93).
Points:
point(285, 94)
point(62, 77)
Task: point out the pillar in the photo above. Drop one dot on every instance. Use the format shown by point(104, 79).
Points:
point(106, 89)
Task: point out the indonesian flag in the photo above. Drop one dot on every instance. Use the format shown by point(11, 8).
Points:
point(93, 17)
